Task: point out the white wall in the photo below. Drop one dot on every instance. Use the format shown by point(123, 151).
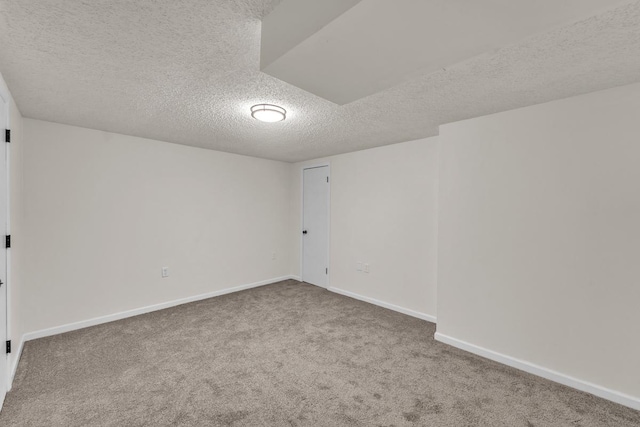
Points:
point(538, 232)
point(539, 236)
point(383, 212)
point(104, 213)
point(16, 228)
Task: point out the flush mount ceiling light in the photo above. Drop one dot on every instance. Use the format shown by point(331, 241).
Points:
point(268, 113)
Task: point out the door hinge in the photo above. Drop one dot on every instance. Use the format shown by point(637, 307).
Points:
point(8, 346)
point(7, 242)
point(7, 135)
point(327, 179)
point(326, 271)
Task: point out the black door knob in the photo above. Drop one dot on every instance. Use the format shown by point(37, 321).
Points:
point(304, 231)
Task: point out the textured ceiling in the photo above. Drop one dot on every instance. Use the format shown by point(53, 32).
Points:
point(188, 71)
point(378, 44)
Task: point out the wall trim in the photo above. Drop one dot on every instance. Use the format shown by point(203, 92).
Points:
point(587, 387)
point(14, 367)
point(131, 313)
point(5, 96)
point(142, 310)
point(408, 312)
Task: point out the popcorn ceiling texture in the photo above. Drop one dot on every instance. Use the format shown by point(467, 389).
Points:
point(187, 72)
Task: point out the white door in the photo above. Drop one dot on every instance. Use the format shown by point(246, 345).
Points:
point(315, 226)
point(4, 366)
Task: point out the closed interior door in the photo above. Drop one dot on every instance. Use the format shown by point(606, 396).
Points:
point(4, 368)
point(315, 226)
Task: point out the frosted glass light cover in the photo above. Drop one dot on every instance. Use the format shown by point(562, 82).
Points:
point(268, 113)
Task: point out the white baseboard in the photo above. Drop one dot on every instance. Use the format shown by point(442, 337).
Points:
point(14, 367)
point(142, 310)
point(603, 392)
point(130, 313)
point(393, 307)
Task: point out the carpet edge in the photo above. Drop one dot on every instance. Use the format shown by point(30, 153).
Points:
point(407, 311)
point(68, 327)
point(540, 371)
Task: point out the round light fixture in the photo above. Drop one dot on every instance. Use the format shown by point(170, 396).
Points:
point(268, 113)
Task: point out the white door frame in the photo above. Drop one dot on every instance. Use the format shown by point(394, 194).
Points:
point(6, 97)
point(302, 169)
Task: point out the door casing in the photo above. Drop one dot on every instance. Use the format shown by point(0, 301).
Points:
point(4, 229)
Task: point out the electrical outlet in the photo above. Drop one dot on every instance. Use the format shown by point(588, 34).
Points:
point(274, 256)
point(366, 268)
point(165, 271)
point(359, 266)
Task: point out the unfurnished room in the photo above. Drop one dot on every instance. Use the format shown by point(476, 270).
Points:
point(320, 213)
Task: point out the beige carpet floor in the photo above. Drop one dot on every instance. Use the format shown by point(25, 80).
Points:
point(287, 354)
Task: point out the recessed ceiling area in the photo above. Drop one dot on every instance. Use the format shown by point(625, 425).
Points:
point(377, 44)
point(189, 75)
